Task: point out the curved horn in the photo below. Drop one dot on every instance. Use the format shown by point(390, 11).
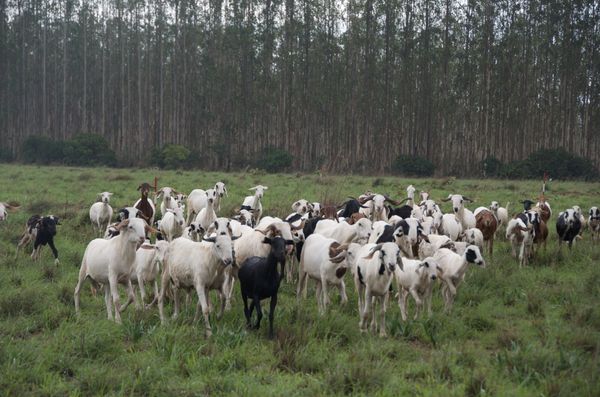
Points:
point(373, 250)
point(150, 229)
point(233, 238)
point(391, 201)
point(123, 224)
point(365, 199)
point(300, 227)
point(209, 239)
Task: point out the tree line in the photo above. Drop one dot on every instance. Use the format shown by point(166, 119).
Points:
point(342, 85)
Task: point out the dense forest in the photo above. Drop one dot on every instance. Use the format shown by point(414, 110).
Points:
point(340, 84)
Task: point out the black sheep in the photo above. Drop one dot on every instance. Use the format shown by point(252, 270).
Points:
point(350, 207)
point(259, 279)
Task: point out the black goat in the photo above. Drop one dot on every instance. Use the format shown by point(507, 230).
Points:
point(568, 226)
point(350, 207)
point(259, 279)
point(403, 212)
point(42, 230)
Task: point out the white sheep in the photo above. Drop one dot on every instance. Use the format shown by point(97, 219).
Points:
point(207, 215)
point(473, 236)
point(253, 203)
point(323, 260)
point(193, 232)
point(375, 269)
point(344, 233)
point(464, 215)
point(101, 212)
point(501, 213)
point(520, 233)
point(452, 268)
point(433, 243)
point(148, 260)
point(416, 279)
point(172, 224)
point(169, 201)
point(111, 262)
point(450, 226)
point(198, 199)
point(195, 265)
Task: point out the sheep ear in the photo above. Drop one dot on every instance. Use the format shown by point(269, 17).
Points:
point(233, 238)
point(265, 188)
point(447, 199)
point(209, 239)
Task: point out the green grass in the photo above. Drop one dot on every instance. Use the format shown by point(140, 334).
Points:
point(512, 332)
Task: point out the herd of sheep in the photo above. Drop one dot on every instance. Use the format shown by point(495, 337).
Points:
point(409, 244)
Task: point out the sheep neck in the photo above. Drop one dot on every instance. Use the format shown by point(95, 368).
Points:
point(256, 201)
point(125, 249)
point(463, 268)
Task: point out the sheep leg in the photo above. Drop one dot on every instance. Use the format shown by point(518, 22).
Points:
point(24, 241)
point(202, 304)
point(259, 315)
point(54, 251)
point(247, 310)
point(230, 290)
point(175, 292)
point(161, 296)
point(108, 302)
point(149, 305)
point(221, 296)
point(318, 292)
point(402, 301)
point(382, 332)
point(273, 304)
point(343, 296)
point(324, 294)
point(365, 311)
point(290, 276)
point(140, 279)
point(114, 289)
point(373, 316)
point(418, 301)
point(82, 277)
point(302, 280)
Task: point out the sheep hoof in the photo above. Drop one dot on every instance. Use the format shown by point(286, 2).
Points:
point(208, 333)
point(56, 262)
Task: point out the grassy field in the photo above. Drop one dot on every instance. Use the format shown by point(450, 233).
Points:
point(512, 332)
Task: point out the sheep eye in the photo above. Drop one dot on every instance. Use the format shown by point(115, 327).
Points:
point(218, 246)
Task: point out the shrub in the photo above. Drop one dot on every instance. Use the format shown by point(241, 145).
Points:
point(41, 150)
point(413, 166)
point(559, 164)
point(170, 156)
point(88, 150)
point(6, 155)
point(272, 159)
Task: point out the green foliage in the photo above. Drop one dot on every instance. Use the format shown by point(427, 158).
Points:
point(272, 159)
point(558, 163)
point(171, 156)
point(88, 150)
point(41, 150)
point(6, 155)
point(413, 166)
point(81, 150)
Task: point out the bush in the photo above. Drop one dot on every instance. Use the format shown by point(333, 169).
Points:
point(273, 160)
point(170, 156)
point(88, 150)
point(413, 166)
point(558, 163)
point(6, 155)
point(41, 150)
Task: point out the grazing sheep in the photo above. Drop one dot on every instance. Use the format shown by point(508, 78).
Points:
point(259, 279)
